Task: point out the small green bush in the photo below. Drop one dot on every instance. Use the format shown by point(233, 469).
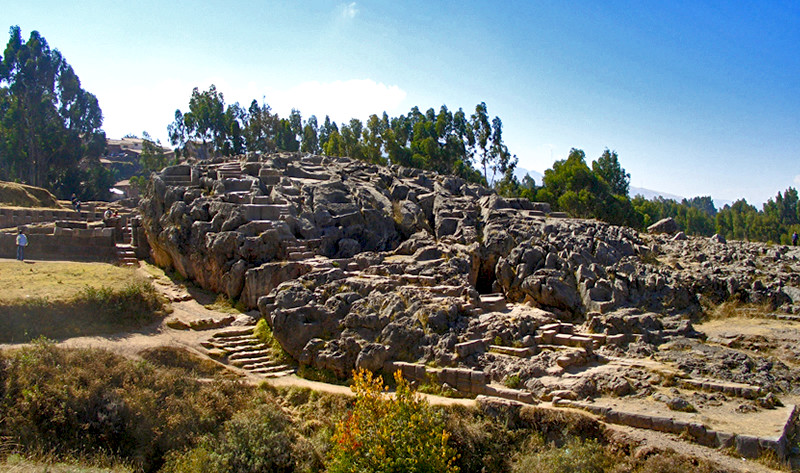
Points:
point(512, 381)
point(263, 333)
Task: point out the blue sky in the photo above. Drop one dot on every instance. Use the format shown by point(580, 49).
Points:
point(697, 98)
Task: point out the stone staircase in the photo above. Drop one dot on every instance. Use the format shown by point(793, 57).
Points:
point(242, 349)
point(302, 250)
point(259, 212)
point(178, 176)
point(126, 253)
point(229, 171)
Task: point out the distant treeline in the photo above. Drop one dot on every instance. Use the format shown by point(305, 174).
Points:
point(470, 147)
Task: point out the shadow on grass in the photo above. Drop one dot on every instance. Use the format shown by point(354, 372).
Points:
point(91, 312)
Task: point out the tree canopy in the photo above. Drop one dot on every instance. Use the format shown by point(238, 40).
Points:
point(445, 142)
point(50, 132)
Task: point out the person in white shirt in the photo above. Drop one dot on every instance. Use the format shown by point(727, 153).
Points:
point(22, 242)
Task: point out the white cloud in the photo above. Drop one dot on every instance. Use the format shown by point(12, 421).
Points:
point(797, 179)
point(349, 10)
point(136, 108)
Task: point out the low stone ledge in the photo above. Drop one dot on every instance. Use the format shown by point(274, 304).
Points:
point(747, 446)
point(740, 390)
point(522, 352)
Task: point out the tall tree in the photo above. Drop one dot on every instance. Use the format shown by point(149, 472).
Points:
point(608, 168)
point(261, 128)
point(209, 125)
point(296, 123)
point(482, 130)
point(310, 141)
point(48, 123)
point(152, 158)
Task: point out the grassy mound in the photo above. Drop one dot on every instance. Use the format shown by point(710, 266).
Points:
point(60, 300)
point(13, 194)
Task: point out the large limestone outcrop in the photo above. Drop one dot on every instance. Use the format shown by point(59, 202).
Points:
point(354, 264)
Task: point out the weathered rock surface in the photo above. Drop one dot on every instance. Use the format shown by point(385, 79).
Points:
point(357, 265)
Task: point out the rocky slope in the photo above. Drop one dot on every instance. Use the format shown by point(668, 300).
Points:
point(356, 265)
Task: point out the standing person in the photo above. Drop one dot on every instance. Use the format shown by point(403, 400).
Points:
point(794, 239)
point(22, 242)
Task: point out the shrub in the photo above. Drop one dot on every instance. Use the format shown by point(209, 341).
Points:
point(483, 443)
point(255, 440)
point(512, 381)
point(399, 433)
point(263, 333)
point(91, 402)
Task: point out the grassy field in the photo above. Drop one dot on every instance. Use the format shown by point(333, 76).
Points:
point(55, 280)
point(64, 299)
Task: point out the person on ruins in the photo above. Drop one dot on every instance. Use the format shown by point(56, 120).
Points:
point(107, 214)
point(794, 239)
point(22, 242)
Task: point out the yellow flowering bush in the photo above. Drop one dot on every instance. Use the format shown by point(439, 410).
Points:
point(390, 433)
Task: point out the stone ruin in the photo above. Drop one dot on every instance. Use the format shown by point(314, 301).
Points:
point(355, 265)
point(67, 234)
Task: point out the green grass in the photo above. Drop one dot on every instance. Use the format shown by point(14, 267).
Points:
point(57, 281)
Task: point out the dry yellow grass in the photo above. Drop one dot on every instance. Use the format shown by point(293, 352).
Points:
point(18, 464)
point(57, 280)
point(734, 309)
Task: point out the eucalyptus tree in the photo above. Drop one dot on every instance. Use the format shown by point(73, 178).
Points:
point(48, 122)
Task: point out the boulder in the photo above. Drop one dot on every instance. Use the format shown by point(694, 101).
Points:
point(665, 225)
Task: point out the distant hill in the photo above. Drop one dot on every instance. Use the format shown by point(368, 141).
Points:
point(650, 194)
point(521, 172)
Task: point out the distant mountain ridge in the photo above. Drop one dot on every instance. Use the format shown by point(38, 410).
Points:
point(648, 194)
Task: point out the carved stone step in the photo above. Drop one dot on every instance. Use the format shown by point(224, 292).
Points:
point(235, 332)
point(241, 362)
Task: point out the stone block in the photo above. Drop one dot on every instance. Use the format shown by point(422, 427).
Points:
point(696, 430)
point(598, 337)
point(469, 348)
point(449, 376)
point(578, 341)
point(477, 377)
point(420, 372)
point(562, 339)
point(662, 424)
point(556, 326)
point(618, 339)
point(548, 336)
point(640, 421)
point(725, 440)
point(748, 446)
